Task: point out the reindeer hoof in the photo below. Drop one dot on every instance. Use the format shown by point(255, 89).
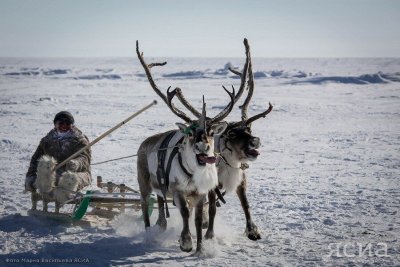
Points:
point(186, 244)
point(204, 225)
point(199, 252)
point(185, 249)
point(253, 234)
point(254, 237)
point(162, 224)
point(209, 235)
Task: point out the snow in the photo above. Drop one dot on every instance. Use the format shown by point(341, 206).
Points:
point(327, 177)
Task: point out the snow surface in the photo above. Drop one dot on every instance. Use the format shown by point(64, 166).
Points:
point(328, 173)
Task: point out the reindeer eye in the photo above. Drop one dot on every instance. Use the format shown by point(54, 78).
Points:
point(231, 134)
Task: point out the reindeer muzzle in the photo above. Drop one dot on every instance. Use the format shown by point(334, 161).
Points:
point(253, 153)
point(202, 159)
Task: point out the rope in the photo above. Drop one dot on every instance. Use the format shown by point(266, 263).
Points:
point(101, 162)
point(126, 157)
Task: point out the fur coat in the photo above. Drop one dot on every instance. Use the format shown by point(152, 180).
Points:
point(61, 148)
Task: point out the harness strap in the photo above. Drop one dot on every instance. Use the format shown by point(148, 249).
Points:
point(162, 178)
point(167, 171)
point(243, 166)
point(161, 154)
point(219, 153)
point(220, 196)
point(183, 167)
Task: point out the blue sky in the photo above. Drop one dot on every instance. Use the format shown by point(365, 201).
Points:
point(96, 28)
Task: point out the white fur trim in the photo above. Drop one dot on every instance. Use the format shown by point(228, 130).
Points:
point(46, 177)
point(68, 184)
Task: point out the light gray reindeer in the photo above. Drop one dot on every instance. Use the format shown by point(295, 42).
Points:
point(186, 171)
point(236, 146)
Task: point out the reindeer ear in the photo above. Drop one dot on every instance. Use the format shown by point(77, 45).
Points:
point(219, 128)
point(182, 127)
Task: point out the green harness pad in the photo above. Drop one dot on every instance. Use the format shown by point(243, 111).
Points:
point(81, 209)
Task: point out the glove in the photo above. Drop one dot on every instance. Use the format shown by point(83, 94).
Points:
point(73, 165)
point(29, 180)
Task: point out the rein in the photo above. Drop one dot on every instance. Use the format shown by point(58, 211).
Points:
point(131, 156)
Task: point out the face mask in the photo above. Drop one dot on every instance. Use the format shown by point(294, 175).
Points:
point(62, 134)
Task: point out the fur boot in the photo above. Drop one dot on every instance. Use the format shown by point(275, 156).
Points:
point(67, 185)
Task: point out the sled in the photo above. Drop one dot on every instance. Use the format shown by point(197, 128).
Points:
point(110, 200)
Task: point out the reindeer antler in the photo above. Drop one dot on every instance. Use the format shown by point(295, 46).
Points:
point(261, 115)
point(148, 73)
point(242, 75)
point(245, 105)
point(172, 107)
point(177, 91)
point(219, 117)
point(166, 99)
point(250, 88)
point(186, 103)
point(225, 112)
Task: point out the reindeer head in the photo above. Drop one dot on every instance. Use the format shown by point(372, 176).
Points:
point(242, 144)
point(199, 134)
point(199, 138)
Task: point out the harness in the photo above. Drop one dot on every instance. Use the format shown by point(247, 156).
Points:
point(162, 173)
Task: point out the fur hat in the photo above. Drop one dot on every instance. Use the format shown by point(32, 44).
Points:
point(64, 116)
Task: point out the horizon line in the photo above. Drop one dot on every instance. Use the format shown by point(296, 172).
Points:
point(197, 57)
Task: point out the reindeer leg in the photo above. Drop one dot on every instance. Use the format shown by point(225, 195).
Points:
point(45, 205)
point(185, 241)
point(57, 208)
point(205, 224)
point(251, 229)
point(161, 221)
point(198, 222)
point(145, 189)
point(212, 209)
point(45, 201)
point(34, 199)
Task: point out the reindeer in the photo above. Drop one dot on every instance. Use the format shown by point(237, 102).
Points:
point(189, 159)
point(236, 146)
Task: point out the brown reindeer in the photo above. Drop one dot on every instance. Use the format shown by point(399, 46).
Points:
point(187, 171)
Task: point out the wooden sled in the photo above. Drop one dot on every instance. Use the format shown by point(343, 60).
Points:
point(110, 200)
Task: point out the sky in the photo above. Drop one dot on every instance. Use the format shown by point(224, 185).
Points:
point(202, 28)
